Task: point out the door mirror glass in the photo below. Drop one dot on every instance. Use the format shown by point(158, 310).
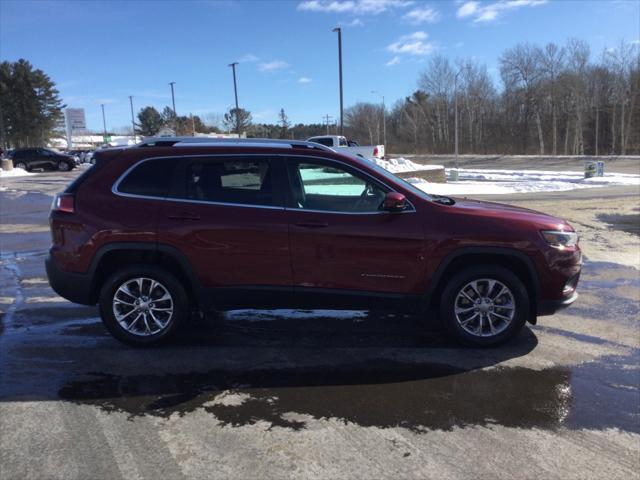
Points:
point(394, 202)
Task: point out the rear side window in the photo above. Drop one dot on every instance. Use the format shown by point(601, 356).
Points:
point(150, 178)
point(327, 141)
point(246, 181)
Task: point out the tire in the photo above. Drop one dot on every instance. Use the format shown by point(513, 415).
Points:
point(490, 326)
point(142, 330)
point(64, 166)
point(22, 165)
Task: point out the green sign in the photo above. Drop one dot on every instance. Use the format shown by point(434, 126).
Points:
point(106, 138)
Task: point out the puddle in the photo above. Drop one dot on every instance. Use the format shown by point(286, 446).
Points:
point(385, 394)
point(627, 223)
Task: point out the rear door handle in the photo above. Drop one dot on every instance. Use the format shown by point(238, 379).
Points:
point(184, 216)
point(312, 225)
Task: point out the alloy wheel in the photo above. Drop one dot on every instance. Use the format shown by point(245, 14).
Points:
point(143, 306)
point(484, 307)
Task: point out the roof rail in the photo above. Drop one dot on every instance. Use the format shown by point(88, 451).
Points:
point(227, 142)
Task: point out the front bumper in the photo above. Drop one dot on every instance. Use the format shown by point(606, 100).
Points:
point(75, 287)
point(549, 307)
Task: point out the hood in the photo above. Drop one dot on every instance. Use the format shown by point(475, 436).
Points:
point(511, 213)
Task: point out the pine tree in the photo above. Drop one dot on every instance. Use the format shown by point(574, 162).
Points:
point(284, 123)
point(149, 122)
point(30, 108)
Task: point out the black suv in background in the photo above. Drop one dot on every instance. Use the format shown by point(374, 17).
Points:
point(36, 158)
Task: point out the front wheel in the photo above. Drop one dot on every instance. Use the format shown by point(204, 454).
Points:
point(64, 166)
point(22, 165)
point(143, 305)
point(484, 306)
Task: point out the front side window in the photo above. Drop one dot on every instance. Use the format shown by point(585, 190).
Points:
point(328, 187)
point(238, 181)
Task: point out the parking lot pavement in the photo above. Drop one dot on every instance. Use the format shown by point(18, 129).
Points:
point(318, 395)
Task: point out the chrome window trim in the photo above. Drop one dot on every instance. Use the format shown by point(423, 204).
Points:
point(115, 191)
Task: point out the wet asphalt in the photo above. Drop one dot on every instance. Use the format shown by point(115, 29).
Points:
point(318, 394)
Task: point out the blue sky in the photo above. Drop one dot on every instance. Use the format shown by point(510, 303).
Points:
point(102, 52)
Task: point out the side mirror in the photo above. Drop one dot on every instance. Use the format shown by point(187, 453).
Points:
point(394, 202)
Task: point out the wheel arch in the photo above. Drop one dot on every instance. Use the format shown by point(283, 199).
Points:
point(112, 256)
point(519, 263)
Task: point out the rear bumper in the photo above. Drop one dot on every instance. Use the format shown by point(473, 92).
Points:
point(549, 307)
point(75, 287)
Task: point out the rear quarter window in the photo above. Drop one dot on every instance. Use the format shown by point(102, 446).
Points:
point(150, 178)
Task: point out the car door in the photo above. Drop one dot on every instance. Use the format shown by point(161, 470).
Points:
point(226, 214)
point(340, 239)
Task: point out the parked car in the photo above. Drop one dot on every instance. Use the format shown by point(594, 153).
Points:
point(338, 142)
point(42, 158)
point(152, 233)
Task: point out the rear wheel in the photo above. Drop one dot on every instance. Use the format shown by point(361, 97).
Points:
point(484, 306)
point(22, 165)
point(143, 305)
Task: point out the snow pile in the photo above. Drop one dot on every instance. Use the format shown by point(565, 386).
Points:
point(546, 176)
point(398, 165)
point(496, 182)
point(16, 172)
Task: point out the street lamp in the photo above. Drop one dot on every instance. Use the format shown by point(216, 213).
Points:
point(454, 176)
point(133, 122)
point(339, 30)
point(104, 124)
point(173, 98)
point(235, 92)
point(384, 120)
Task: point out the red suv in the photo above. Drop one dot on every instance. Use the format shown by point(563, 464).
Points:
point(156, 232)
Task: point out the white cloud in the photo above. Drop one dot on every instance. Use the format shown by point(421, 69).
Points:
point(356, 22)
point(248, 58)
point(272, 66)
point(412, 44)
point(304, 80)
point(490, 12)
point(356, 7)
point(394, 61)
point(422, 15)
point(467, 9)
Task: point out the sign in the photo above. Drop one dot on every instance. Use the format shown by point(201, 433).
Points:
point(106, 138)
point(600, 169)
point(75, 119)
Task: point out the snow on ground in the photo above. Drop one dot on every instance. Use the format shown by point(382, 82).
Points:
point(397, 165)
point(491, 181)
point(16, 172)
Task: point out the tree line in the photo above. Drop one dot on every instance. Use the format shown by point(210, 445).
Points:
point(554, 99)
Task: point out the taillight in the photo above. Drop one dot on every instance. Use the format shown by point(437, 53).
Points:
point(375, 151)
point(64, 202)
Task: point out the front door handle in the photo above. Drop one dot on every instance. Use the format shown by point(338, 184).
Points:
point(184, 216)
point(312, 224)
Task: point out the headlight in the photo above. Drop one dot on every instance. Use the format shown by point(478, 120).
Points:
point(560, 239)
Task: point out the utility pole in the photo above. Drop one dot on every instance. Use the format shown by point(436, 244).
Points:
point(339, 30)
point(133, 122)
point(235, 91)
point(173, 98)
point(104, 124)
point(384, 120)
point(327, 118)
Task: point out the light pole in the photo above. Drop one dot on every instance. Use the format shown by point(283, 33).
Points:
point(455, 119)
point(104, 124)
point(133, 122)
point(339, 30)
point(173, 98)
point(384, 120)
point(235, 92)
